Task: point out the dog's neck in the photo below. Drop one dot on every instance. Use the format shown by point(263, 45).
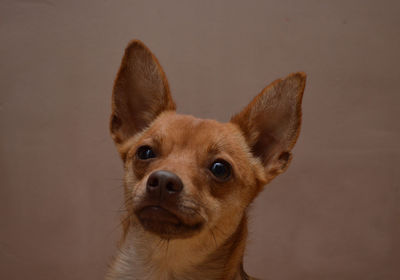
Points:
point(211, 255)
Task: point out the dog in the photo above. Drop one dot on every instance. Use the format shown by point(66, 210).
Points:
point(189, 182)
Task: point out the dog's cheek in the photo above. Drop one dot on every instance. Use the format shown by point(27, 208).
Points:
point(223, 190)
point(224, 202)
point(131, 178)
point(225, 214)
point(220, 191)
point(140, 168)
point(134, 189)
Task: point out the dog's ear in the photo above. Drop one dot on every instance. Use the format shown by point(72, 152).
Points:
point(140, 93)
point(271, 122)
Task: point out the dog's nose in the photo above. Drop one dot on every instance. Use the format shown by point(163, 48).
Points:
point(164, 182)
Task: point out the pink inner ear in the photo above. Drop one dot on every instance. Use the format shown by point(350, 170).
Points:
point(264, 147)
point(271, 122)
point(140, 94)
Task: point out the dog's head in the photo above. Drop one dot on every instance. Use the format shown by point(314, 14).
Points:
point(185, 175)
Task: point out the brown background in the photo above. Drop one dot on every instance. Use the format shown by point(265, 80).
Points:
point(334, 215)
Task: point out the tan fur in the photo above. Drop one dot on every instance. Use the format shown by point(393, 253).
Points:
point(256, 143)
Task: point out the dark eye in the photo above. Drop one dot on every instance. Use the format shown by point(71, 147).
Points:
point(221, 169)
point(145, 152)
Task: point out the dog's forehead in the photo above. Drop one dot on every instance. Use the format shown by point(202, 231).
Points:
point(186, 130)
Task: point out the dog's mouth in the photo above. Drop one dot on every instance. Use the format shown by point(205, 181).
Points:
point(167, 224)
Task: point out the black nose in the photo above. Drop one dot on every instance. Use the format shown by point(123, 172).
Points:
point(164, 182)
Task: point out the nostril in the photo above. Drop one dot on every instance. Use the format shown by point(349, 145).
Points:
point(153, 182)
point(170, 187)
point(174, 185)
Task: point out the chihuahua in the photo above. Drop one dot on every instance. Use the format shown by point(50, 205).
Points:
point(189, 182)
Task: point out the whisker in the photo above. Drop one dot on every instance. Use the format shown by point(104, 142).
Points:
point(213, 236)
point(160, 243)
point(166, 252)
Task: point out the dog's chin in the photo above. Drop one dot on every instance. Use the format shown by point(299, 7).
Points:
point(166, 224)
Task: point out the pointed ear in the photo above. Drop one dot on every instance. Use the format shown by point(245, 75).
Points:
point(271, 122)
point(140, 93)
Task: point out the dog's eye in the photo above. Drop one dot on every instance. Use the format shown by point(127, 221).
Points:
point(221, 169)
point(145, 152)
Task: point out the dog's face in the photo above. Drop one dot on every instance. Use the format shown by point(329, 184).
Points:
point(185, 175)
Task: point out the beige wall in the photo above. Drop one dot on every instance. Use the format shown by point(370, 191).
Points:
point(334, 215)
